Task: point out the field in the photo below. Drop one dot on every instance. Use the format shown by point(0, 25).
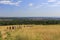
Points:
point(30, 32)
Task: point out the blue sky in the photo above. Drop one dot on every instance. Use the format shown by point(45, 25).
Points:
point(29, 8)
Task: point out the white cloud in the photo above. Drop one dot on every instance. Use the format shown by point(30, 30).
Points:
point(41, 5)
point(10, 2)
point(53, 5)
point(52, 0)
point(30, 4)
point(50, 3)
point(38, 6)
point(56, 4)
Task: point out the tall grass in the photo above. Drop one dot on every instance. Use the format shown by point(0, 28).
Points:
point(0, 36)
point(37, 32)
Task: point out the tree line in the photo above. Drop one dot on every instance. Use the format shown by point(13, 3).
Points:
point(36, 22)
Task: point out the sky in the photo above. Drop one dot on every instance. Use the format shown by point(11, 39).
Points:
point(29, 8)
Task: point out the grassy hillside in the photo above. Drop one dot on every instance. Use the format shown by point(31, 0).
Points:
point(35, 32)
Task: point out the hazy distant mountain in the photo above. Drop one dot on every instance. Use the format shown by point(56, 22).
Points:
point(28, 18)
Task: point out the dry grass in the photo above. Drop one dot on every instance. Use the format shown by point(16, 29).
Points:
point(36, 32)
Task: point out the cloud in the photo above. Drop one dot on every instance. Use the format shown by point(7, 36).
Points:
point(30, 4)
point(56, 4)
point(8, 2)
point(53, 5)
point(52, 0)
point(38, 6)
point(41, 5)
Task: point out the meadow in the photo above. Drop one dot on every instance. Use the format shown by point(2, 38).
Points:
point(30, 32)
